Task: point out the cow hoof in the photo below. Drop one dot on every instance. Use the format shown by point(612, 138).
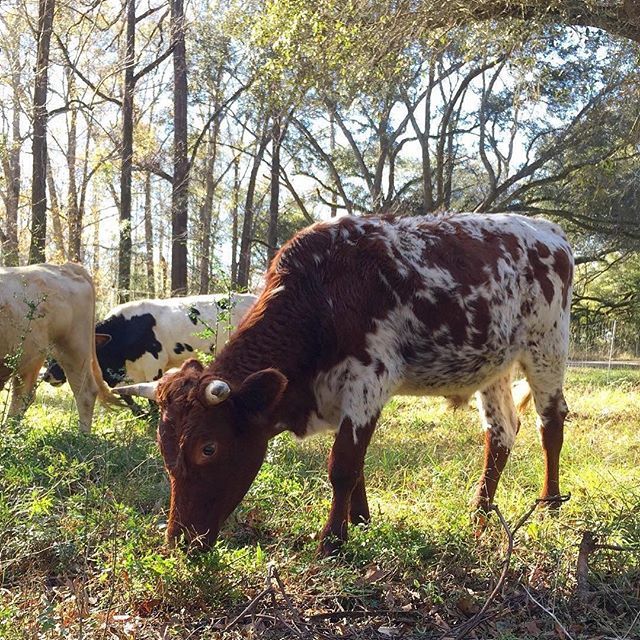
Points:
point(329, 547)
point(553, 503)
point(479, 516)
point(480, 520)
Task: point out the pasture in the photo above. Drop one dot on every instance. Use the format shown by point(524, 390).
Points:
point(82, 553)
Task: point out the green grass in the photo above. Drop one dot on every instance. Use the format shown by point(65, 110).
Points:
point(82, 520)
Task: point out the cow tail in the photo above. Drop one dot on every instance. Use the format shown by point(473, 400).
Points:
point(105, 395)
point(521, 392)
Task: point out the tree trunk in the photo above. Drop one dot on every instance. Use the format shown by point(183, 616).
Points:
point(124, 246)
point(148, 236)
point(235, 200)
point(39, 174)
point(332, 152)
point(58, 236)
point(180, 192)
point(12, 170)
point(162, 263)
point(86, 177)
point(73, 214)
point(244, 263)
point(427, 188)
point(274, 202)
point(207, 210)
point(96, 235)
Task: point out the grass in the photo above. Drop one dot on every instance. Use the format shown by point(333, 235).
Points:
point(82, 521)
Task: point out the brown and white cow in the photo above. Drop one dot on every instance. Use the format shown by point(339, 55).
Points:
point(48, 309)
point(354, 311)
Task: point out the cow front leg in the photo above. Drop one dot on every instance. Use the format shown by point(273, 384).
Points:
point(23, 388)
point(83, 386)
point(346, 463)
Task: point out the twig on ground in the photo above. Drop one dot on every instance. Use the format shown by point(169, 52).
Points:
point(364, 613)
point(549, 613)
point(633, 624)
point(250, 607)
point(273, 578)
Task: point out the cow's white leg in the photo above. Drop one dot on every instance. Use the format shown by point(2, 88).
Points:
point(22, 388)
point(346, 463)
point(544, 367)
point(83, 386)
point(500, 422)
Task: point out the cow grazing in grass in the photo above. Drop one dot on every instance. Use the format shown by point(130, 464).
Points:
point(140, 340)
point(354, 311)
point(49, 309)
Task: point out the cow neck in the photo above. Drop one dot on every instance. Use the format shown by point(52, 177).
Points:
point(286, 337)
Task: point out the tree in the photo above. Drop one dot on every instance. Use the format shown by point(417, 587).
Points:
point(180, 193)
point(39, 147)
point(248, 221)
point(274, 200)
point(12, 139)
point(126, 157)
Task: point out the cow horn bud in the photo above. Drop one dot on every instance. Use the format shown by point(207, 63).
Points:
point(143, 389)
point(216, 391)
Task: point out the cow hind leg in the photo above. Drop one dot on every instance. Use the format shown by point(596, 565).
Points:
point(346, 463)
point(552, 411)
point(83, 386)
point(500, 423)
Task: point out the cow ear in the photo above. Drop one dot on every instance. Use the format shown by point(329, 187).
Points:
point(261, 392)
point(102, 339)
point(192, 363)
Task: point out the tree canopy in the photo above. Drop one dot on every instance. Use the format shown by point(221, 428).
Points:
point(279, 113)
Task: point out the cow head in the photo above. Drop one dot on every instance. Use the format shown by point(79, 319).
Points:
point(54, 374)
point(213, 437)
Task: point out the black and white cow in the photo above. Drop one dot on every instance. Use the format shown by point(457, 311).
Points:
point(140, 340)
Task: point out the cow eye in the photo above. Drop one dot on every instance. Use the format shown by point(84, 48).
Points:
point(208, 449)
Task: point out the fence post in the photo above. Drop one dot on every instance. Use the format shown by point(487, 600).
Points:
point(613, 338)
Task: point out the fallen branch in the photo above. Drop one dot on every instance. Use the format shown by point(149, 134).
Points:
point(588, 545)
point(250, 607)
point(273, 586)
point(366, 613)
point(466, 627)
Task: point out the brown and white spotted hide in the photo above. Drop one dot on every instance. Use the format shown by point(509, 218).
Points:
point(354, 311)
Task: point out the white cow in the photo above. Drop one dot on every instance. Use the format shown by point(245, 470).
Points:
point(47, 309)
point(140, 340)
